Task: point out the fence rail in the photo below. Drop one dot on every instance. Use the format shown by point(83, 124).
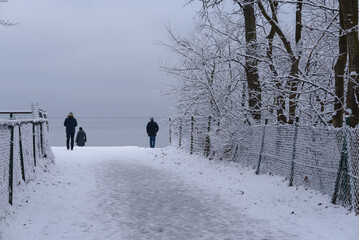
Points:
point(323, 158)
point(24, 142)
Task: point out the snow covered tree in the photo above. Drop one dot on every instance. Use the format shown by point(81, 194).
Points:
point(339, 70)
point(247, 10)
point(208, 81)
point(349, 22)
point(285, 59)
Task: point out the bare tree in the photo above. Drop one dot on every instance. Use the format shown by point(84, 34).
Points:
point(293, 64)
point(293, 56)
point(251, 59)
point(339, 69)
point(254, 88)
point(207, 81)
point(349, 22)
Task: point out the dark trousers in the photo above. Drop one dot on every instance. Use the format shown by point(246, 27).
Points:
point(68, 136)
point(152, 141)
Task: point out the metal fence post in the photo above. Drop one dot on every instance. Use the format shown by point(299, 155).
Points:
point(21, 155)
point(11, 164)
point(262, 147)
point(192, 130)
point(342, 182)
point(180, 134)
point(208, 139)
point(170, 130)
point(294, 151)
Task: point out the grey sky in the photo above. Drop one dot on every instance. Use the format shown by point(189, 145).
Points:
point(94, 58)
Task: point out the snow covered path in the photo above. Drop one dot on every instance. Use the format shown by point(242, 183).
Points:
point(146, 203)
point(136, 193)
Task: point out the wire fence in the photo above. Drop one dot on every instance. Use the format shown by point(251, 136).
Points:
point(322, 158)
point(24, 144)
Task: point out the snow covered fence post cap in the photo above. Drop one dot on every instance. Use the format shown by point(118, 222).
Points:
point(35, 110)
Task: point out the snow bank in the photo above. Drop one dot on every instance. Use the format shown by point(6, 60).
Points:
point(322, 158)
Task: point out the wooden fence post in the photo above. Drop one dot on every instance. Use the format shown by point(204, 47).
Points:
point(11, 164)
point(41, 140)
point(34, 142)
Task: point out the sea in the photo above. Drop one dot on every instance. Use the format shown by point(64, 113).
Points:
point(119, 131)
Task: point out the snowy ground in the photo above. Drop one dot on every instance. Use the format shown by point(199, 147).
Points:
point(136, 193)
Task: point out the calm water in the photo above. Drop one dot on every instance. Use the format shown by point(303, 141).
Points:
point(129, 131)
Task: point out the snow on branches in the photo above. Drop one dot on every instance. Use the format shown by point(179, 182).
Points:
point(254, 60)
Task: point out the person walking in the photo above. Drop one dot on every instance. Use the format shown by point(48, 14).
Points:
point(152, 129)
point(70, 124)
point(81, 137)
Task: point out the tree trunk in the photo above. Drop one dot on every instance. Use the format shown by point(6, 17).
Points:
point(294, 56)
point(254, 88)
point(339, 70)
point(281, 118)
point(293, 95)
point(279, 98)
point(350, 21)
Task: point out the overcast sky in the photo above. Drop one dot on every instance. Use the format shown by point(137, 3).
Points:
point(94, 58)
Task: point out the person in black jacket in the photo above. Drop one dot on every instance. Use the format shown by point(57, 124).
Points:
point(70, 124)
point(81, 137)
point(152, 129)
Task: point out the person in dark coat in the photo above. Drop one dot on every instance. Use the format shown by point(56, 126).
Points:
point(152, 129)
point(81, 138)
point(70, 124)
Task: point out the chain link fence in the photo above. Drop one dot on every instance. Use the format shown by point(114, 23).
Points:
point(24, 143)
point(322, 158)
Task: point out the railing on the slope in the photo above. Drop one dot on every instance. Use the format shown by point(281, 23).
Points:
point(322, 158)
point(24, 141)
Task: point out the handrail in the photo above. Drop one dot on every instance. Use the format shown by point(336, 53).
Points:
point(11, 113)
point(42, 113)
point(15, 112)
